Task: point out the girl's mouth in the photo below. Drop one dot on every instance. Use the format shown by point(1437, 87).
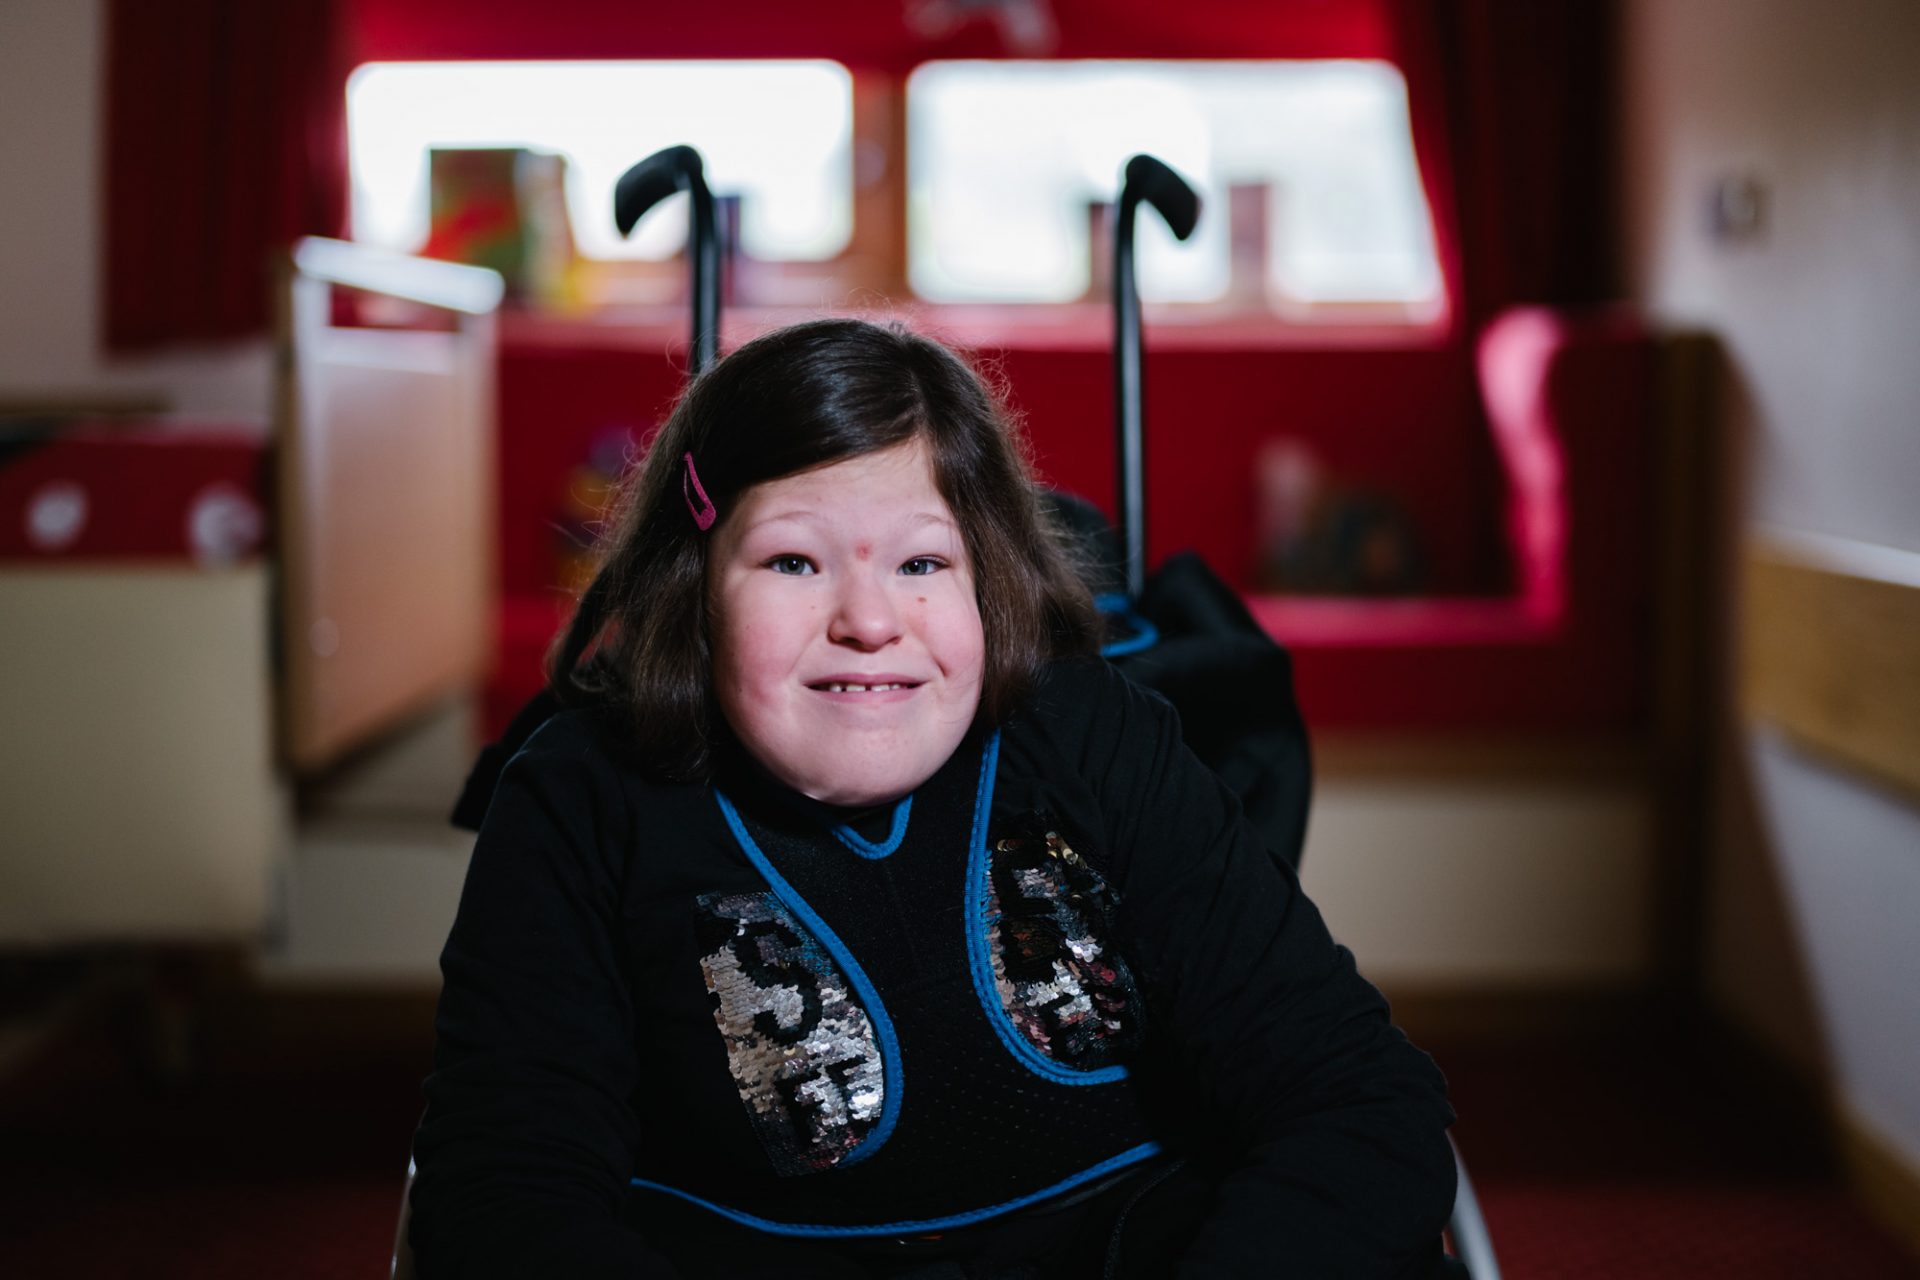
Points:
point(834, 686)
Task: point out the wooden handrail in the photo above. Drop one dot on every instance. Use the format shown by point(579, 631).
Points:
point(1828, 652)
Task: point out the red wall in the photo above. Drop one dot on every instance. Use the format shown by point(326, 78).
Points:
point(1404, 421)
point(864, 34)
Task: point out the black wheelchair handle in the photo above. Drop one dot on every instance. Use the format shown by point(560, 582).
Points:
point(1151, 181)
point(645, 185)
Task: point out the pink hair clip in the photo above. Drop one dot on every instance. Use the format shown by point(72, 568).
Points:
point(704, 512)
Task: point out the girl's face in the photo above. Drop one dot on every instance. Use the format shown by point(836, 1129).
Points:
point(847, 643)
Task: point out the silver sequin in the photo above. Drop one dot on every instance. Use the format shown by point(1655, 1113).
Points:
point(802, 1051)
point(1063, 990)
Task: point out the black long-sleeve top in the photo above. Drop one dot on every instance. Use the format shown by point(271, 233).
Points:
point(562, 1021)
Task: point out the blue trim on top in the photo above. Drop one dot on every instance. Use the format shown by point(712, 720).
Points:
point(890, 1073)
point(1145, 634)
point(981, 966)
point(1133, 1155)
point(867, 848)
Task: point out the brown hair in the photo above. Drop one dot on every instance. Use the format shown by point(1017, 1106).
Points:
point(794, 399)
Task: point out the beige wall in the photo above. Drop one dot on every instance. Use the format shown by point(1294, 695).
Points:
point(51, 56)
point(1495, 883)
point(137, 778)
point(1815, 888)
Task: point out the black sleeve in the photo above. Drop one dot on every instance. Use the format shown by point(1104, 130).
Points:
point(527, 1141)
point(1339, 1160)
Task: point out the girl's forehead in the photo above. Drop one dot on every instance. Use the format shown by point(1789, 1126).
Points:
point(891, 488)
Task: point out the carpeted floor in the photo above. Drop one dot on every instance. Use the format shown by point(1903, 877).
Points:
point(1596, 1159)
point(1606, 1159)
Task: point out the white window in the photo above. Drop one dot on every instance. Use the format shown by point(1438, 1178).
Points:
point(1312, 160)
point(778, 134)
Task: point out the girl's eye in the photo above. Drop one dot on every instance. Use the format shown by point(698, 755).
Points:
point(791, 565)
point(921, 566)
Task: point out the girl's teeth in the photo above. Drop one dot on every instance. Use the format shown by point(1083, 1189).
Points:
point(862, 688)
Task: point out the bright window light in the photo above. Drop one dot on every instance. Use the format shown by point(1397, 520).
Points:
point(1004, 158)
point(778, 134)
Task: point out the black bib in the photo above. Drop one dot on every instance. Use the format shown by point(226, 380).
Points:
point(926, 1031)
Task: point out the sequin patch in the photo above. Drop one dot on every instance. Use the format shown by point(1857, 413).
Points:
point(802, 1051)
point(1063, 986)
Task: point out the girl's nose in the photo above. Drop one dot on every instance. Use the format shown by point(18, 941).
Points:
point(865, 615)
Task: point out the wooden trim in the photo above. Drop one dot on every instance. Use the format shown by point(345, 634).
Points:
point(875, 260)
point(1478, 757)
point(1454, 1015)
point(1831, 652)
point(82, 404)
point(1692, 572)
point(1882, 1180)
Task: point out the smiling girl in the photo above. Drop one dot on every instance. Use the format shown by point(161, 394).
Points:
point(847, 646)
point(857, 920)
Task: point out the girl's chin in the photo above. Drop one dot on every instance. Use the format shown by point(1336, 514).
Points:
point(861, 793)
point(870, 765)
point(857, 788)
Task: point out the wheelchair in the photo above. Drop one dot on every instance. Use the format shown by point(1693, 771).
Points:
point(1183, 631)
